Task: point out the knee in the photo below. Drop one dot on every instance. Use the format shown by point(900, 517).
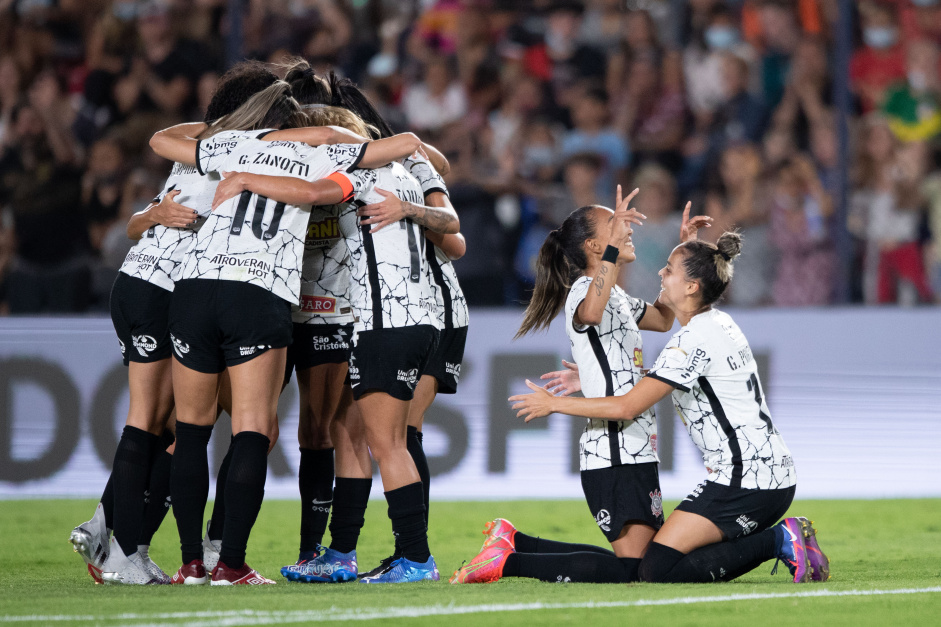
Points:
point(657, 563)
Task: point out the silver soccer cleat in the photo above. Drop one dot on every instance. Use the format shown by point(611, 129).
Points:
point(125, 569)
point(150, 567)
point(91, 541)
point(211, 550)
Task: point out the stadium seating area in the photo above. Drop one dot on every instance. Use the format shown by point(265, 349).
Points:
point(540, 105)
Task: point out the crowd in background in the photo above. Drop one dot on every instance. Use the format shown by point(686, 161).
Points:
point(541, 106)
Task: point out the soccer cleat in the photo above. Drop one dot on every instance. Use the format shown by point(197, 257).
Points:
point(124, 569)
point(819, 562)
point(792, 551)
point(406, 571)
point(244, 576)
point(497, 530)
point(91, 541)
point(291, 572)
point(191, 574)
point(384, 565)
point(486, 567)
point(211, 550)
point(329, 567)
point(150, 567)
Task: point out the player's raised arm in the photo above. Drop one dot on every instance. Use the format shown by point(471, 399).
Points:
point(178, 143)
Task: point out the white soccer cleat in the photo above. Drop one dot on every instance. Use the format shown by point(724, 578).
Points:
point(150, 567)
point(91, 541)
point(125, 569)
point(211, 550)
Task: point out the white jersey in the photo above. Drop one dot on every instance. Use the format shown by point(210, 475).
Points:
point(251, 238)
point(450, 298)
point(610, 359)
point(719, 397)
point(325, 276)
point(391, 283)
point(158, 256)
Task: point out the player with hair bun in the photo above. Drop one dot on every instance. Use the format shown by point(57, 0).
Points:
point(727, 526)
point(577, 270)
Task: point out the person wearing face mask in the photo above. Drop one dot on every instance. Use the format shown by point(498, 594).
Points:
point(881, 60)
point(914, 107)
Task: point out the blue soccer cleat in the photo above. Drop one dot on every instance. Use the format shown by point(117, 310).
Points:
point(792, 550)
point(291, 572)
point(329, 567)
point(406, 571)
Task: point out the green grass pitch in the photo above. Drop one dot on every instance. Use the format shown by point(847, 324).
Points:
point(886, 565)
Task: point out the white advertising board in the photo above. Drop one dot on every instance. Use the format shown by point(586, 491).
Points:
point(856, 394)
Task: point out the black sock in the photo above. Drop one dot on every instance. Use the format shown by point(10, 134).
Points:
point(157, 501)
point(217, 522)
point(413, 440)
point(189, 486)
point(244, 492)
point(107, 503)
point(580, 567)
point(350, 498)
point(530, 544)
point(131, 474)
point(407, 512)
point(722, 561)
point(315, 479)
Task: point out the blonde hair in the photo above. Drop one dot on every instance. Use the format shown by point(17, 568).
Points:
point(272, 107)
point(335, 116)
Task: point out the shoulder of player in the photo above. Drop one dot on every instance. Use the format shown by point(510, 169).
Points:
point(578, 291)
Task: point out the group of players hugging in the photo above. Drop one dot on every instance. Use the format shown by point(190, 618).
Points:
point(297, 234)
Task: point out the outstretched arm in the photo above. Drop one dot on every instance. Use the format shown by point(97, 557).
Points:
point(647, 393)
point(286, 189)
point(178, 143)
point(316, 135)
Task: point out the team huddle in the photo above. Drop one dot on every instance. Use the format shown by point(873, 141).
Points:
point(297, 235)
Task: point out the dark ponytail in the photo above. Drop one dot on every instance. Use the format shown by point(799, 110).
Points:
point(347, 95)
point(307, 87)
point(561, 261)
point(711, 265)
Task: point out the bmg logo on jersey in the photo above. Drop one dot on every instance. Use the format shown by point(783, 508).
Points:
point(144, 344)
point(322, 233)
point(410, 377)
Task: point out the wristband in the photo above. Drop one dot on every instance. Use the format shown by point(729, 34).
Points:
point(610, 255)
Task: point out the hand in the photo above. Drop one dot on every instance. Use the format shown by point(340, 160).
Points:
point(171, 213)
point(563, 382)
point(231, 186)
point(535, 405)
point(623, 218)
point(384, 213)
point(689, 229)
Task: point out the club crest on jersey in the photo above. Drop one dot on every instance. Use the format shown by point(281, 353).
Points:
point(603, 518)
point(318, 304)
point(322, 233)
point(144, 344)
point(638, 358)
point(656, 503)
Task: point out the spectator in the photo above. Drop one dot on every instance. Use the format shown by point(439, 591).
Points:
point(741, 116)
point(886, 214)
point(592, 133)
point(10, 90)
point(881, 60)
point(782, 35)
point(800, 207)
point(913, 108)
point(807, 93)
point(103, 188)
point(437, 101)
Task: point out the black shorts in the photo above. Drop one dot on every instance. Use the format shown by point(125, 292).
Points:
point(391, 360)
point(445, 363)
point(737, 511)
point(318, 344)
point(139, 312)
point(629, 493)
point(218, 324)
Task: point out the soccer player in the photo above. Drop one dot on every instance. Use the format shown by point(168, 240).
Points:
point(140, 302)
point(726, 526)
point(577, 270)
point(396, 330)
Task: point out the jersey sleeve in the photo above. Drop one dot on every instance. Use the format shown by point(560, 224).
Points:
point(638, 308)
point(576, 295)
point(426, 175)
point(681, 362)
point(212, 152)
point(346, 157)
